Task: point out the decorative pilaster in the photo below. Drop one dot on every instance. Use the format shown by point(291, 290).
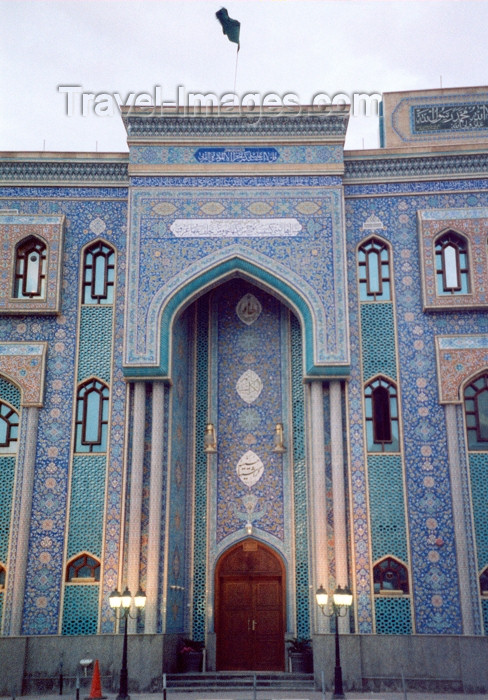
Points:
point(318, 496)
point(338, 491)
point(134, 543)
point(465, 600)
point(31, 416)
point(155, 507)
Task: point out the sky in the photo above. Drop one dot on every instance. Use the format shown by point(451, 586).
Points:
point(299, 48)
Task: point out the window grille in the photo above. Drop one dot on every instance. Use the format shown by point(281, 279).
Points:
point(382, 424)
point(390, 576)
point(9, 428)
point(451, 262)
point(98, 274)
point(374, 271)
point(83, 567)
point(30, 269)
point(92, 406)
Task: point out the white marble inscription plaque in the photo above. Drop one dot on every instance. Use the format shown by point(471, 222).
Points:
point(249, 468)
point(235, 228)
point(249, 386)
point(248, 309)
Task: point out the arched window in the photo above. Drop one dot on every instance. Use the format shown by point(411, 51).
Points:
point(98, 274)
point(451, 264)
point(390, 576)
point(92, 416)
point(30, 269)
point(9, 428)
point(476, 411)
point(381, 402)
point(374, 271)
point(3, 576)
point(83, 567)
point(484, 581)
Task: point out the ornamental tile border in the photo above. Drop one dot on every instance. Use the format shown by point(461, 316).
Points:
point(472, 224)
point(281, 154)
point(13, 230)
point(458, 358)
point(255, 126)
point(25, 364)
point(145, 305)
point(62, 172)
point(381, 168)
point(227, 182)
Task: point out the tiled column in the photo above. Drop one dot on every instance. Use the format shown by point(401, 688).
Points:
point(318, 495)
point(155, 507)
point(459, 522)
point(338, 491)
point(31, 416)
point(135, 494)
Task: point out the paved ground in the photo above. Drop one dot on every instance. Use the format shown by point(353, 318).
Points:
point(269, 695)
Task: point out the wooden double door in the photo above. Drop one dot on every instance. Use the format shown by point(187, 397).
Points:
point(250, 609)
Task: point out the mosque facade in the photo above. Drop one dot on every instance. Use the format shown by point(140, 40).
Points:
point(240, 362)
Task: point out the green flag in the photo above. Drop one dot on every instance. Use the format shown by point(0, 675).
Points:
point(230, 27)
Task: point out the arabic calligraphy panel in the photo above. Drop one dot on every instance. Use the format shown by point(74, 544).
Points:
point(249, 386)
point(248, 309)
point(249, 468)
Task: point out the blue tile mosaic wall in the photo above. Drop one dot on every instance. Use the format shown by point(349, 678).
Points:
point(393, 615)
point(478, 464)
point(146, 481)
point(102, 211)
point(199, 611)
point(10, 393)
point(81, 602)
point(435, 594)
point(302, 579)
point(85, 528)
point(90, 212)
point(378, 340)
point(88, 472)
point(7, 467)
point(179, 576)
point(249, 473)
point(387, 507)
point(95, 351)
point(190, 155)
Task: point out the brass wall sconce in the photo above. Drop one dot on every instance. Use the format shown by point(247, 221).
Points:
point(279, 445)
point(210, 439)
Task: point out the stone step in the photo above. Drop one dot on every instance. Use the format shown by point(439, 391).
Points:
point(236, 681)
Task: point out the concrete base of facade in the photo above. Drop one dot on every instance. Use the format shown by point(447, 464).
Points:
point(32, 665)
point(429, 663)
point(447, 664)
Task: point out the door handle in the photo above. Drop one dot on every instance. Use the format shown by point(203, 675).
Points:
point(248, 625)
point(253, 625)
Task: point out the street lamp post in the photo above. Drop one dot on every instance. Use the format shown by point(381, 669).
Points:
point(341, 602)
point(122, 604)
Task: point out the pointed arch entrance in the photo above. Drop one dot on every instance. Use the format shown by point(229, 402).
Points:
point(250, 608)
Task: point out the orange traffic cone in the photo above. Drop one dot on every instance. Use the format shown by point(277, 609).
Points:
point(96, 686)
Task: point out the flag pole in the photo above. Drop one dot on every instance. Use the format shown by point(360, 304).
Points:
point(235, 73)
